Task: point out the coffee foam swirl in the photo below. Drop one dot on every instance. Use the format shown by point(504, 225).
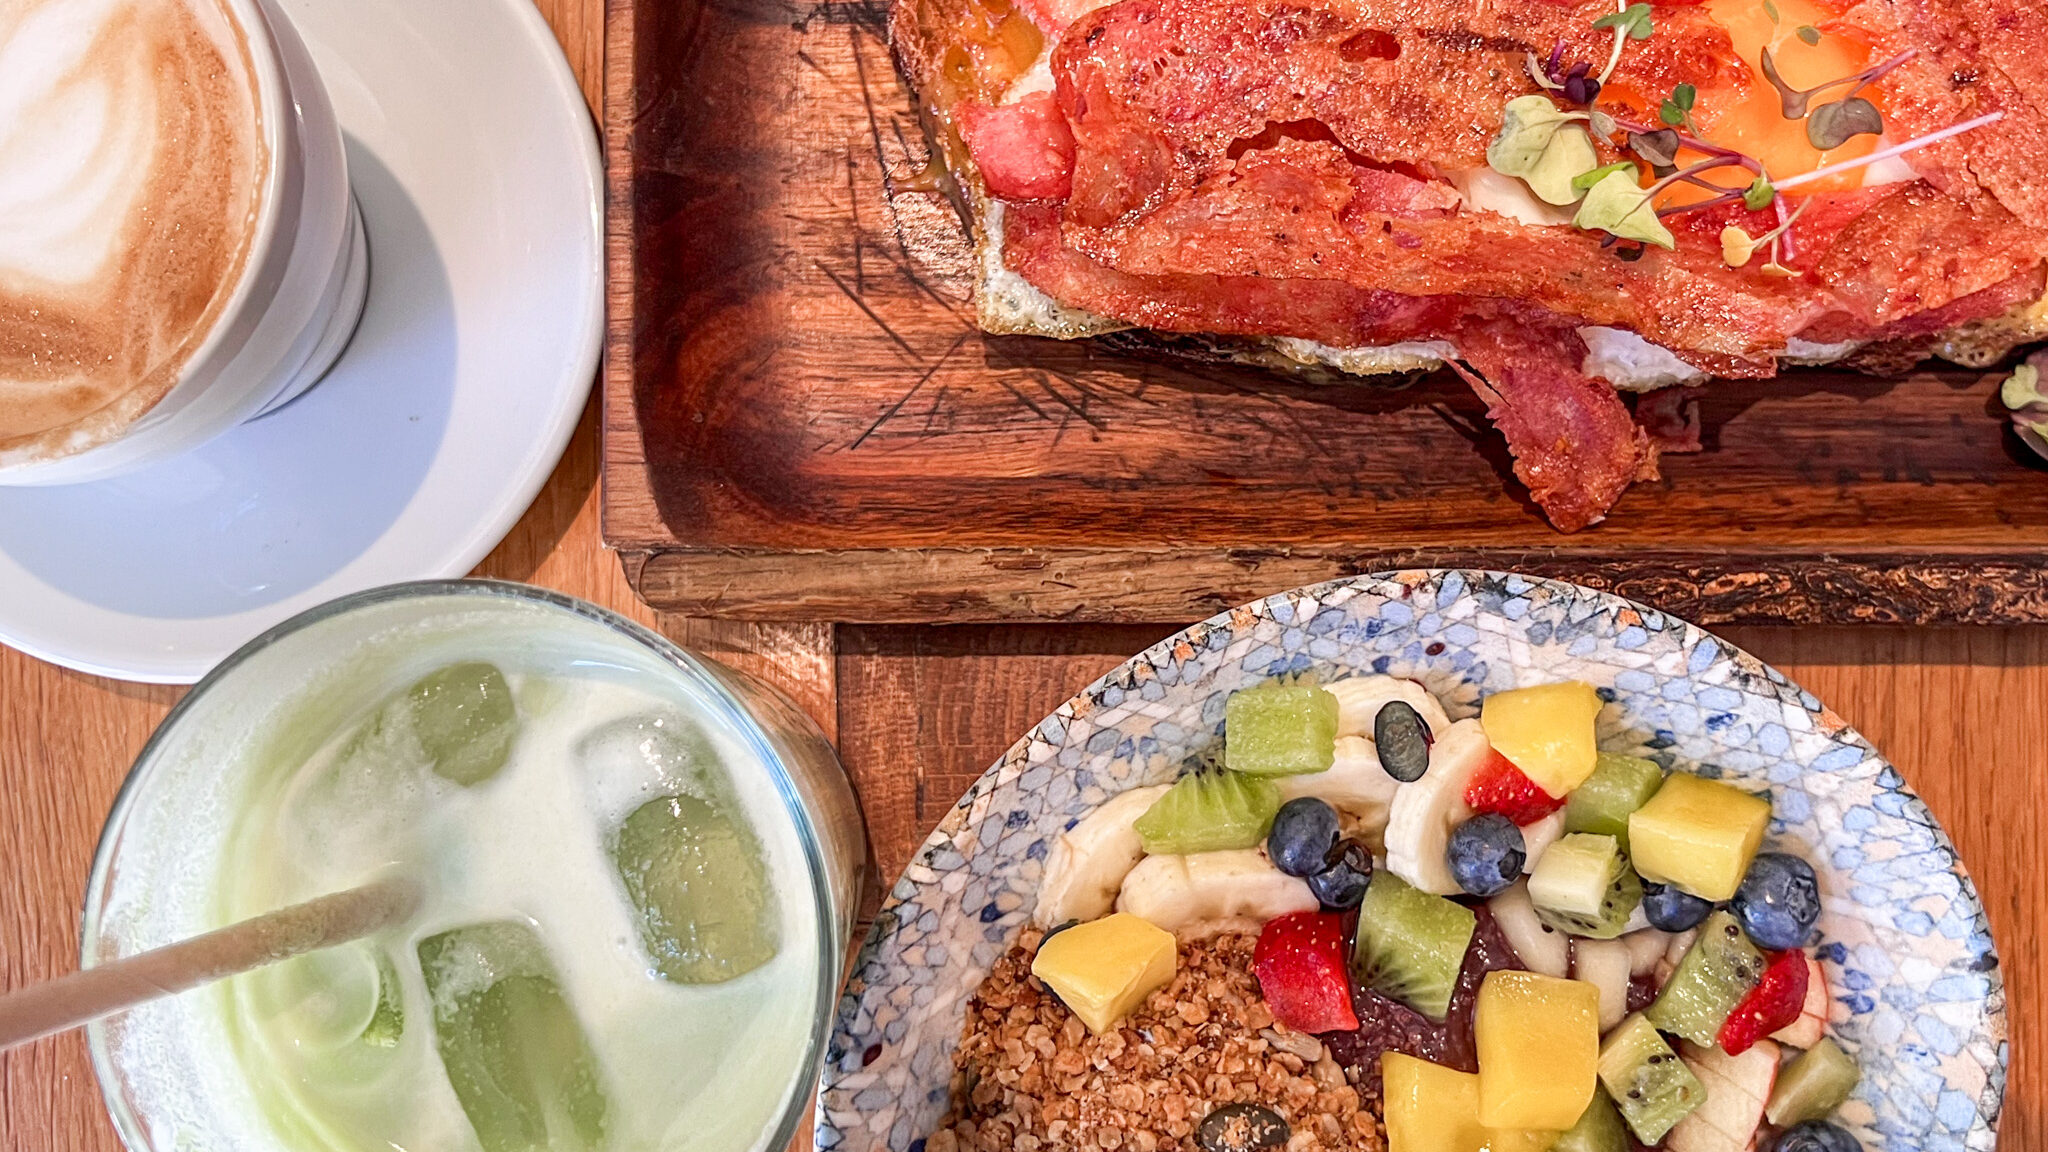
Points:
point(131, 170)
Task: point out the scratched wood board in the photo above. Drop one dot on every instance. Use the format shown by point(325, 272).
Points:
point(801, 421)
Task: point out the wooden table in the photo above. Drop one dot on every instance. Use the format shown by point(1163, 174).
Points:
point(920, 711)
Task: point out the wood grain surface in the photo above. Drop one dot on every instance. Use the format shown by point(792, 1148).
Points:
point(802, 421)
point(920, 710)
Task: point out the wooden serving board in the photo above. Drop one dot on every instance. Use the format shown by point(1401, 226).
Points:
point(802, 423)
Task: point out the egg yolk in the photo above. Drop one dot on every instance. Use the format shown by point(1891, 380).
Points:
point(1749, 117)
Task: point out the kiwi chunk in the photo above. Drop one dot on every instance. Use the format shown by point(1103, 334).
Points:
point(1650, 1084)
point(1618, 786)
point(1711, 979)
point(1812, 1086)
point(1209, 811)
point(1583, 885)
point(1598, 1130)
point(1280, 730)
point(1411, 944)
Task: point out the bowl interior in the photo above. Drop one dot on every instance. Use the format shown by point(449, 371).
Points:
point(1917, 995)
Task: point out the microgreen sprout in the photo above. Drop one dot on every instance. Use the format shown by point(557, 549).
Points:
point(2025, 399)
point(1793, 102)
point(1808, 35)
point(1659, 149)
point(1791, 182)
point(1738, 246)
point(1771, 10)
point(1677, 109)
point(1585, 180)
point(1760, 194)
point(1619, 205)
point(1630, 22)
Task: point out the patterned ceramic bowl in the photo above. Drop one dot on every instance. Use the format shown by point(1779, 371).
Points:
point(1918, 999)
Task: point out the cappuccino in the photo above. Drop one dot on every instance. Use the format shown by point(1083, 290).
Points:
point(132, 169)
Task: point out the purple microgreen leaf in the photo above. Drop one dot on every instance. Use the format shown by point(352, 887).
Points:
point(1791, 101)
point(1537, 74)
point(1659, 149)
point(1832, 125)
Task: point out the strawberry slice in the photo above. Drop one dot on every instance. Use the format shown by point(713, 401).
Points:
point(1499, 786)
point(1300, 962)
point(1771, 1005)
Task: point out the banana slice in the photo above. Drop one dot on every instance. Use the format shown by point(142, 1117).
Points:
point(1089, 861)
point(1211, 892)
point(1359, 700)
point(1355, 785)
point(1543, 948)
point(1538, 837)
point(1420, 820)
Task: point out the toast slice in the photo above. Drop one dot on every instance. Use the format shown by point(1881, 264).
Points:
point(1312, 184)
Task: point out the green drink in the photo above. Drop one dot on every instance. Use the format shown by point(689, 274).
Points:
point(620, 945)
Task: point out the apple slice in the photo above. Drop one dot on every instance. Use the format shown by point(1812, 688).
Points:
point(1737, 1087)
point(1806, 1031)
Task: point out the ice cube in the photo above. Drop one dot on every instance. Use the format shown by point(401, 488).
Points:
point(464, 720)
point(695, 874)
point(512, 1047)
point(655, 754)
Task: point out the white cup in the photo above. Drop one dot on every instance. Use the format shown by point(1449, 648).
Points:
point(300, 292)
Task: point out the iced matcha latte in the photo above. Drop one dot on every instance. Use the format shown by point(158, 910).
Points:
point(620, 941)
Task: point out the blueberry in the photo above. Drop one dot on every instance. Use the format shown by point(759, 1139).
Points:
point(1486, 854)
point(1402, 741)
point(1342, 885)
point(1242, 1128)
point(1670, 910)
point(1304, 833)
point(1815, 1136)
point(1778, 902)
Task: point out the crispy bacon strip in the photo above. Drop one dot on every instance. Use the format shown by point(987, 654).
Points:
point(1024, 150)
point(1574, 443)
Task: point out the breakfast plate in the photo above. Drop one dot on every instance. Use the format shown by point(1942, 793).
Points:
point(472, 157)
point(1915, 993)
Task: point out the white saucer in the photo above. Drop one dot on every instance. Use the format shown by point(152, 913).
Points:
point(475, 163)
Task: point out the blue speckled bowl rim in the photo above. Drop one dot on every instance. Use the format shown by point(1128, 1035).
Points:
point(1395, 584)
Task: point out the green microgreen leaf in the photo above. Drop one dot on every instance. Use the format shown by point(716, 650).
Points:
point(1684, 95)
point(1759, 194)
point(1618, 205)
point(1832, 125)
point(1539, 144)
point(1809, 35)
point(1585, 180)
point(1633, 20)
point(1771, 10)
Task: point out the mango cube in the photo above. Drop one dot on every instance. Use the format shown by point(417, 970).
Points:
point(1547, 731)
point(1539, 1050)
point(1105, 968)
point(1698, 834)
point(1430, 1108)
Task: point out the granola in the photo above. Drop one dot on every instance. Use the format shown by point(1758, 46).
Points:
point(1030, 1076)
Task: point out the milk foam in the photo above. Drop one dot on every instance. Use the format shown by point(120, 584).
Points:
point(131, 168)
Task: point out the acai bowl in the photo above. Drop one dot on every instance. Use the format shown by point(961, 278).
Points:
point(1899, 1041)
point(638, 871)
